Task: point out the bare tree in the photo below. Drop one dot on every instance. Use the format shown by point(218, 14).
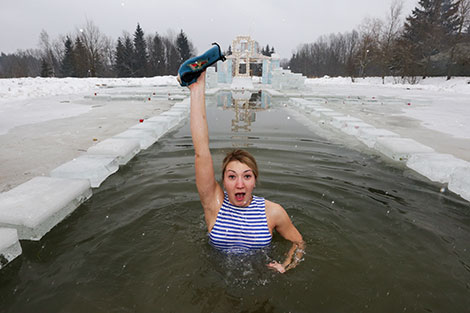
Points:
point(20, 64)
point(352, 40)
point(369, 31)
point(47, 50)
point(108, 56)
point(390, 33)
point(95, 45)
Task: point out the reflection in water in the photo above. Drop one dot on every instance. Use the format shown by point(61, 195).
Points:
point(245, 105)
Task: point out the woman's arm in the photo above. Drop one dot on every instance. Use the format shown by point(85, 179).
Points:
point(279, 220)
point(210, 192)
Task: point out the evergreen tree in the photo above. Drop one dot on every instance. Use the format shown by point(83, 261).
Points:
point(428, 29)
point(266, 51)
point(172, 57)
point(229, 51)
point(183, 46)
point(120, 60)
point(140, 57)
point(46, 69)
point(449, 17)
point(68, 61)
point(272, 51)
point(82, 67)
point(157, 56)
point(129, 59)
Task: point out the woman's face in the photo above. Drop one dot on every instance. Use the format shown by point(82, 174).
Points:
point(239, 182)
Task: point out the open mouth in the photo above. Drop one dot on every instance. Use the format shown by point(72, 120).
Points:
point(239, 196)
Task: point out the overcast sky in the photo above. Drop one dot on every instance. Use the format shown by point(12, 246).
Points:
point(283, 24)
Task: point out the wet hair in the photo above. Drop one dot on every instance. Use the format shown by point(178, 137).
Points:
point(241, 156)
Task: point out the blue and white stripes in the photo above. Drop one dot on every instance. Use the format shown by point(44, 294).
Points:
point(241, 228)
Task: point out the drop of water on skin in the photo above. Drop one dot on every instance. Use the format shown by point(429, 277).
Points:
point(388, 212)
point(332, 202)
point(288, 117)
point(107, 216)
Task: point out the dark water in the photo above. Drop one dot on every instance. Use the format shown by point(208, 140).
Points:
point(379, 239)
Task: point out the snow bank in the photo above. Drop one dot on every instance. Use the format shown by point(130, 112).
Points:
point(25, 88)
point(456, 84)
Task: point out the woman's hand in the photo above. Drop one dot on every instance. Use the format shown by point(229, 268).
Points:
point(200, 83)
point(277, 266)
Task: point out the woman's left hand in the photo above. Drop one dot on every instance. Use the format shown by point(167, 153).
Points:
point(277, 266)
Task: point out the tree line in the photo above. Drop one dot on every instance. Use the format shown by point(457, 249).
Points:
point(434, 40)
point(89, 53)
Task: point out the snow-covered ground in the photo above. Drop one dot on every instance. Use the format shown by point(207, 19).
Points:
point(439, 104)
point(18, 108)
point(45, 122)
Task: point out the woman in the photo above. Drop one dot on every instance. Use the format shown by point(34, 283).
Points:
point(236, 220)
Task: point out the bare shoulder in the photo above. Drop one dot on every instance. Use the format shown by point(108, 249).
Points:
point(275, 212)
point(279, 219)
point(273, 206)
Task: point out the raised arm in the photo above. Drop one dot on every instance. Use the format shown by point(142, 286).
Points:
point(210, 192)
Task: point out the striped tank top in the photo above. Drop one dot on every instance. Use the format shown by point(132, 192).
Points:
point(238, 229)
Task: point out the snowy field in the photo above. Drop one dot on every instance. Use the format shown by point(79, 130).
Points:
point(24, 101)
point(45, 122)
point(439, 104)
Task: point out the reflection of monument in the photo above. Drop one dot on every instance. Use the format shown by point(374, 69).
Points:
point(244, 116)
point(245, 104)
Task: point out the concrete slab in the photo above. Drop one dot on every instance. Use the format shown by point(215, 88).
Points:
point(95, 168)
point(146, 138)
point(35, 207)
point(123, 149)
point(9, 246)
point(400, 149)
point(459, 182)
point(435, 166)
